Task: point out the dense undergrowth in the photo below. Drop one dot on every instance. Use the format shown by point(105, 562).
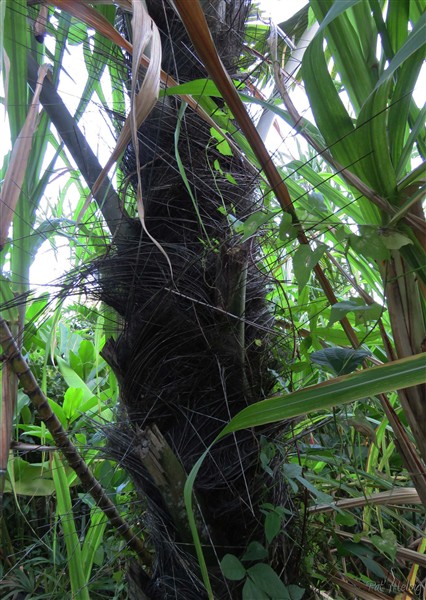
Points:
point(176, 323)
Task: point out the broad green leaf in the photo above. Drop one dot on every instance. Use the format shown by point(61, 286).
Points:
point(329, 111)
point(26, 479)
point(316, 202)
point(369, 244)
point(372, 138)
point(77, 33)
point(339, 361)
point(222, 146)
point(72, 401)
point(366, 312)
point(287, 231)
point(295, 592)
point(86, 352)
point(265, 578)
point(393, 240)
point(365, 555)
point(336, 9)
point(251, 591)
point(272, 525)
point(253, 223)
point(232, 567)
point(386, 543)
point(396, 23)
point(59, 412)
point(72, 379)
point(255, 551)
point(197, 87)
point(304, 260)
point(321, 497)
point(345, 518)
point(399, 122)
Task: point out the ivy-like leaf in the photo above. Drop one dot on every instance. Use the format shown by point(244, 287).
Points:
point(255, 551)
point(369, 243)
point(304, 260)
point(295, 592)
point(253, 223)
point(386, 543)
point(286, 230)
point(363, 311)
point(393, 240)
point(251, 591)
point(272, 525)
point(316, 202)
point(232, 567)
point(339, 361)
point(265, 578)
point(222, 145)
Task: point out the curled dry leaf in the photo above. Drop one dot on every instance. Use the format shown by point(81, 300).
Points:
point(41, 23)
point(18, 161)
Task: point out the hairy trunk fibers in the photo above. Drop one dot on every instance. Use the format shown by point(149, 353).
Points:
point(196, 343)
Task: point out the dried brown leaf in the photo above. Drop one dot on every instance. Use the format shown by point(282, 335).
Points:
point(18, 162)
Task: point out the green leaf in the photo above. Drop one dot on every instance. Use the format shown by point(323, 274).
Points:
point(264, 577)
point(339, 361)
point(286, 229)
point(222, 146)
point(316, 202)
point(72, 543)
point(72, 379)
point(197, 87)
point(77, 33)
point(414, 42)
point(304, 260)
point(26, 479)
point(397, 374)
point(59, 412)
point(321, 497)
point(295, 592)
point(386, 543)
point(253, 223)
point(369, 243)
point(393, 240)
point(87, 354)
point(330, 114)
point(272, 525)
point(345, 518)
point(232, 567)
point(93, 539)
point(255, 551)
point(72, 401)
point(370, 312)
point(252, 592)
point(338, 24)
point(337, 9)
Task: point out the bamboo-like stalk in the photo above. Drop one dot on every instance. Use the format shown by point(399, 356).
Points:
point(90, 484)
point(405, 313)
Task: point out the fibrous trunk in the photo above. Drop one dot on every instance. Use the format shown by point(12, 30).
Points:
point(195, 348)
